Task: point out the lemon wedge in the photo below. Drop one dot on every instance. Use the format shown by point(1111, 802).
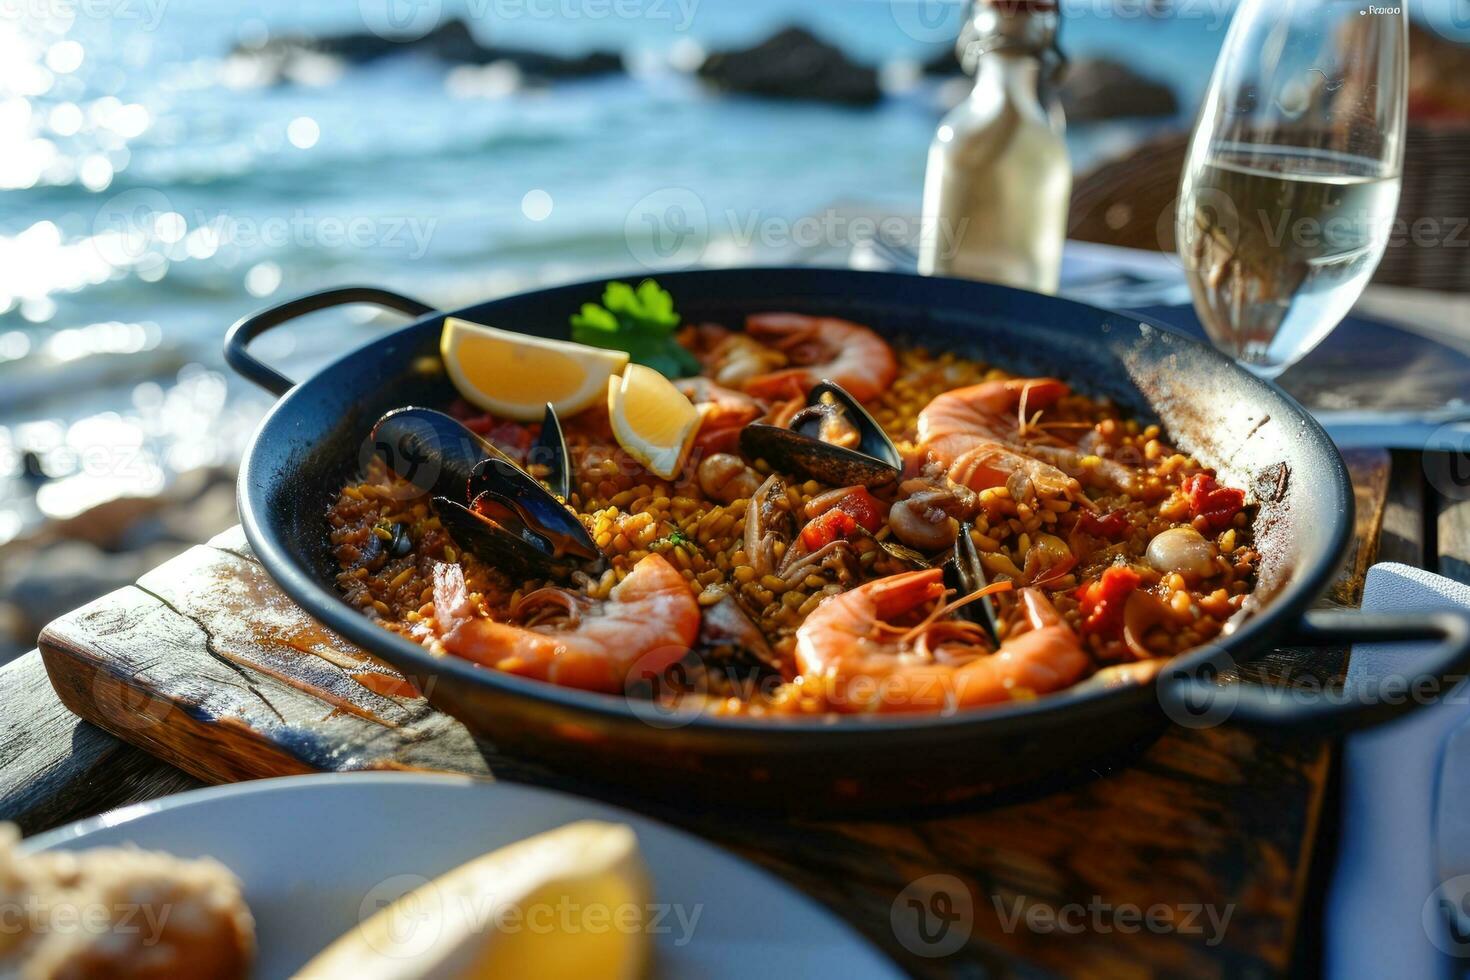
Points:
point(570, 903)
point(514, 375)
point(651, 419)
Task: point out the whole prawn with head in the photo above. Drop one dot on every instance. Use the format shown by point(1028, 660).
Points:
point(991, 435)
point(890, 646)
point(818, 348)
point(649, 621)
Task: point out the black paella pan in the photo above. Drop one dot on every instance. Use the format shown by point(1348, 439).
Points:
point(312, 441)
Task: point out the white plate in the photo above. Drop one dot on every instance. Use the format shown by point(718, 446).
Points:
point(312, 851)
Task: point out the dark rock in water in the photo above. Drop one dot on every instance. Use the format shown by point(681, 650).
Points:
point(1093, 89)
point(793, 64)
point(536, 65)
point(1096, 89)
point(452, 42)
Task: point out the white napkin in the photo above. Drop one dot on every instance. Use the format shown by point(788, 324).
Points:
point(1375, 925)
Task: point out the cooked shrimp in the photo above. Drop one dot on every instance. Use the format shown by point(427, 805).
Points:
point(726, 478)
point(731, 358)
point(649, 621)
point(1094, 470)
point(821, 347)
point(865, 663)
point(978, 433)
point(989, 464)
point(723, 413)
point(990, 412)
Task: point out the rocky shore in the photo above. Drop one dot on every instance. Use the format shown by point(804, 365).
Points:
point(69, 563)
point(451, 42)
point(791, 64)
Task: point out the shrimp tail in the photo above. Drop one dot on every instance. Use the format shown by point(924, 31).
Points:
point(452, 605)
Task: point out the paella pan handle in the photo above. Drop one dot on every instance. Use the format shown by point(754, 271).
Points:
point(247, 329)
point(1190, 695)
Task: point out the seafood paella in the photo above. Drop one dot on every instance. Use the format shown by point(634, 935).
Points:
point(792, 515)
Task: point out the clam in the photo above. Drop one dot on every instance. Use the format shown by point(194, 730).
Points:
point(833, 440)
point(490, 505)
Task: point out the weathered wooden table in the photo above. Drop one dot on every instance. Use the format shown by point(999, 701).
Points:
point(1204, 823)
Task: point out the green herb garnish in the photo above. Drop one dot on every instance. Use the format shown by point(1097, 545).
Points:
point(674, 539)
point(640, 321)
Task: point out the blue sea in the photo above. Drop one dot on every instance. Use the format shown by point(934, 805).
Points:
point(153, 188)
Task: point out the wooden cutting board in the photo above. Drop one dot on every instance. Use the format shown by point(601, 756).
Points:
point(206, 664)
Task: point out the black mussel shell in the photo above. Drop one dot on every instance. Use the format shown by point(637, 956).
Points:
point(487, 540)
point(873, 462)
point(550, 451)
point(964, 573)
point(376, 550)
point(518, 502)
point(488, 503)
point(431, 450)
point(872, 440)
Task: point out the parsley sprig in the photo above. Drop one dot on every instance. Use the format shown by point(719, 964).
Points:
point(640, 321)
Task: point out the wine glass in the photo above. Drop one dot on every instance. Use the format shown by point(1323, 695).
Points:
point(1292, 180)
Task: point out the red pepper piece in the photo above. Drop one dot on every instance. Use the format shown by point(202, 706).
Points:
point(1216, 504)
point(1111, 526)
point(828, 527)
point(1102, 600)
point(865, 508)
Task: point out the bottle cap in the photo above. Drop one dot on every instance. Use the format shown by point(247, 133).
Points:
point(1020, 26)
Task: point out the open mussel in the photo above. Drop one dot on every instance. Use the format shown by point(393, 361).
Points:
point(490, 505)
point(964, 573)
point(833, 440)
